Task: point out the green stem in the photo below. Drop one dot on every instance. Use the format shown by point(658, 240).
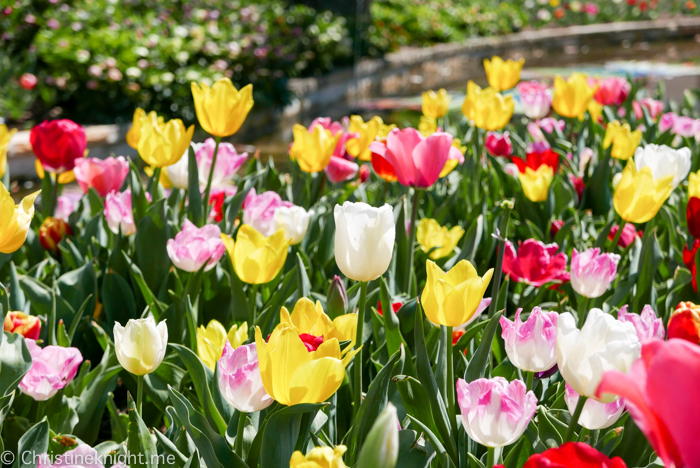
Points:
point(253, 302)
point(451, 403)
point(211, 174)
point(238, 448)
point(54, 195)
point(139, 395)
point(53, 324)
point(357, 393)
point(411, 238)
point(616, 239)
point(490, 457)
point(192, 328)
point(583, 311)
point(574, 419)
point(156, 180)
point(530, 380)
point(508, 206)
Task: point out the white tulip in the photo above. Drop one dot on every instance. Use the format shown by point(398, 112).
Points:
point(178, 173)
point(663, 161)
point(364, 240)
point(595, 415)
point(603, 344)
point(381, 447)
point(294, 220)
point(141, 345)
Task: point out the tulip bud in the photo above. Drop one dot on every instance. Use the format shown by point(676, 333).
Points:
point(58, 143)
point(51, 232)
point(29, 326)
point(319, 457)
point(685, 322)
point(381, 447)
point(141, 345)
point(340, 170)
point(488, 109)
point(364, 173)
point(536, 99)
point(337, 298)
point(612, 91)
point(498, 144)
point(435, 104)
point(240, 381)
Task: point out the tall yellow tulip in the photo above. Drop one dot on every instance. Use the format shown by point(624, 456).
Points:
point(134, 133)
point(431, 235)
point(571, 97)
point(14, 220)
point(536, 184)
point(488, 109)
point(5, 136)
point(624, 141)
point(313, 150)
point(452, 298)
point(256, 259)
point(309, 318)
point(367, 132)
point(503, 74)
point(222, 109)
point(319, 457)
point(435, 105)
point(212, 339)
point(163, 143)
point(638, 197)
point(292, 374)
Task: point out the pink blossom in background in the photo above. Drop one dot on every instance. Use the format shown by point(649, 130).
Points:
point(82, 456)
point(498, 144)
point(591, 8)
point(103, 175)
point(240, 381)
point(341, 170)
point(53, 367)
point(512, 169)
point(535, 263)
point(549, 124)
point(535, 97)
point(592, 271)
point(595, 415)
point(334, 128)
point(118, 212)
point(667, 121)
point(646, 323)
point(530, 345)
point(194, 247)
point(228, 161)
point(653, 107)
point(259, 210)
point(686, 126)
point(65, 206)
point(612, 91)
point(629, 234)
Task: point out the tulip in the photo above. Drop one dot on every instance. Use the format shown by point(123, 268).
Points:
point(624, 141)
point(535, 184)
point(228, 161)
point(163, 143)
point(335, 128)
point(427, 126)
point(459, 331)
point(667, 122)
point(573, 454)
point(435, 105)
point(240, 381)
point(259, 210)
point(222, 109)
point(381, 446)
point(592, 272)
point(664, 161)
point(381, 166)
point(455, 157)
point(51, 232)
point(693, 208)
point(595, 415)
point(498, 144)
point(256, 259)
point(646, 324)
point(365, 134)
point(571, 97)
point(530, 344)
point(535, 159)
point(685, 322)
point(82, 456)
point(313, 148)
point(535, 263)
point(53, 367)
point(15, 220)
point(210, 343)
point(612, 91)
point(294, 221)
point(103, 175)
point(536, 99)
point(364, 173)
point(295, 371)
point(134, 133)
point(629, 234)
point(503, 74)
point(65, 207)
point(488, 109)
point(337, 298)
point(550, 124)
point(118, 212)
point(685, 126)
point(452, 298)
point(319, 457)
point(141, 345)
point(308, 318)
point(438, 240)
point(29, 326)
point(601, 345)
point(58, 143)
point(176, 175)
point(689, 255)
point(340, 170)
point(364, 240)
point(495, 413)
point(639, 195)
point(5, 136)
point(653, 107)
point(195, 247)
point(660, 393)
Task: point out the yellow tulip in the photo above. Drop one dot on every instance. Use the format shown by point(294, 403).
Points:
point(256, 259)
point(5, 136)
point(368, 132)
point(163, 143)
point(222, 109)
point(452, 298)
point(238, 335)
point(694, 185)
point(571, 97)
point(435, 105)
point(427, 126)
point(319, 457)
point(309, 318)
point(134, 133)
point(313, 150)
point(14, 220)
point(503, 74)
point(536, 184)
point(624, 141)
point(638, 197)
point(430, 235)
point(212, 339)
point(291, 374)
point(488, 109)
point(595, 110)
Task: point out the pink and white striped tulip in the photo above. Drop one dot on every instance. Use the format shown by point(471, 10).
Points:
point(536, 98)
point(259, 211)
point(53, 367)
point(195, 247)
point(118, 212)
point(595, 415)
point(646, 323)
point(104, 175)
point(531, 345)
point(495, 413)
point(82, 456)
point(592, 272)
point(228, 161)
point(240, 381)
point(341, 170)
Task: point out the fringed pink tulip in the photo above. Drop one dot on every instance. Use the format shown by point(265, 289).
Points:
point(195, 247)
point(53, 367)
point(498, 144)
point(612, 91)
point(535, 263)
point(595, 415)
point(495, 413)
point(530, 345)
point(535, 97)
point(660, 393)
point(228, 161)
point(592, 272)
point(240, 381)
point(104, 175)
point(118, 212)
point(341, 170)
point(259, 211)
point(647, 324)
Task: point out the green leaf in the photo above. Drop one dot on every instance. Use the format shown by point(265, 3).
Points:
point(281, 434)
point(33, 443)
point(140, 441)
point(139, 202)
point(118, 299)
point(151, 256)
point(518, 455)
point(437, 445)
point(17, 300)
point(477, 366)
point(549, 434)
point(15, 361)
point(156, 307)
point(649, 260)
point(303, 283)
point(413, 452)
point(171, 449)
point(78, 285)
point(195, 205)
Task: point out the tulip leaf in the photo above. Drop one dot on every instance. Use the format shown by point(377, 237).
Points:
point(140, 441)
point(117, 299)
point(392, 329)
point(610, 440)
point(603, 236)
point(171, 449)
point(649, 260)
point(156, 307)
point(139, 202)
point(15, 361)
point(445, 459)
point(97, 206)
point(303, 283)
point(282, 431)
point(413, 450)
point(4, 300)
point(33, 443)
point(597, 192)
point(152, 235)
point(195, 204)
point(233, 207)
point(477, 366)
point(17, 300)
point(78, 285)
point(518, 455)
point(549, 434)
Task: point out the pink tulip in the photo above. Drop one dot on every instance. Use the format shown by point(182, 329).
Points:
point(53, 367)
point(498, 144)
point(647, 325)
point(334, 128)
point(104, 175)
point(341, 170)
point(660, 392)
point(685, 126)
point(652, 106)
point(228, 161)
point(530, 345)
point(592, 272)
point(612, 91)
point(417, 160)
point(240, 381)
point(667, 121)
point(535, 263)
point(549, 124)
point(82, 456)
point(629, 234)
point(595, 415)
point(259, 210)
point(535, 97)
point(65, 206)
point(194, 247)
point(118, 212)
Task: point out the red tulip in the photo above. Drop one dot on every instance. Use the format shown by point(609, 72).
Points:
point(660, 393)
point(58, 143)
point(51, 232)
point(28, 326)
point(498, 144)
point(612, 91)
point(28, 81)
point(578, 184)
point(573, 455)
point(693, 216)
point(685, 323)
point(536, 159)
point(395, 305)
point(364, 173)
point(383, 168)
point(689, 260)
point(535, 263)
point(557, 224)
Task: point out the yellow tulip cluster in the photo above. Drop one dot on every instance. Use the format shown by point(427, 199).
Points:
point(638, 196)
point(431, 235)
point(624, 141)
point(488, 109)
point(256, 259)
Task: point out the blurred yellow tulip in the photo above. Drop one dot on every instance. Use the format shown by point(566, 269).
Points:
point(694, 185)
point(536, 184)
point(503, 74)
point(319, 457)
point(427, 126)
point(134, 133)
point(309, 318)
point(624, 141)
point(256, 259)
point(163, 143)
point(14, 220)
point(572, 96)
point(313, 150)
point(367, 132)
point(222, 109)
point(212, 339)
point(488, 109)
point(431, 235)
point(5, 136)
point(638, 197)
point(452, 298)
point(435, 105)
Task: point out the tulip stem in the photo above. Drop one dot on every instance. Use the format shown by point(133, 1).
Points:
point(139, 394)
point(490, 457)
point(583, 311)
point(451, 404)
point(357, 393)
point(530, 380)
point(156, 179)
point(503, 233)
point(574, 419)
point(211, 173)
point(411, 238)
point(238, 448)
point(253, 303)
point(616, 239)
point(54, 200)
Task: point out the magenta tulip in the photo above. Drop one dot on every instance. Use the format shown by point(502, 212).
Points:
point(612, 91)
point(53, 367)
point(341, 170)
point(535, 263)
point(103, 175)
point(498, 144)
